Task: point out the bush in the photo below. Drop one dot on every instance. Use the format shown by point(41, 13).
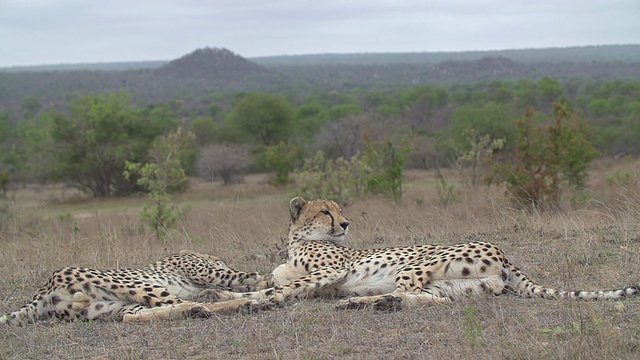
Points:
point(281, 159)
point(267, 117)
point(377, 170)
point(226, 161)
point(4, 183)
point(340, 179)
point(545, 158)
point(474, 154)
point(6, 212)
point(343, 137)
point(162, 176)
point(99, 134)
point(386, 161)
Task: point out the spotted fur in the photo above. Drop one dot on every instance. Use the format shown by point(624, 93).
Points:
point(84, 293)
point(389, 277)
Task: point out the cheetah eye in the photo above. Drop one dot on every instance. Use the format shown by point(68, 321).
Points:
point(326, 212)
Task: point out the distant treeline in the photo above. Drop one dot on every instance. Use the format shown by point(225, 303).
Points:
point(197, 78)
point(595, 53)
point(584, 54)
point(111, 66)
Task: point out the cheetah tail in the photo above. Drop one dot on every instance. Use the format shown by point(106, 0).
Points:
point(26, 314)
point(42, 306)
point(516, 281)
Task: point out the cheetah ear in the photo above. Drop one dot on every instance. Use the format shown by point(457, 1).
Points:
point(295, 207)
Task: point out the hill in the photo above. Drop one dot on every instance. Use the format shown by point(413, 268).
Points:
point(191, 77)
point(221, 64)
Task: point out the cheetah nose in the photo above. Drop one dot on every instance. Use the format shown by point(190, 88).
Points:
point(344, 225)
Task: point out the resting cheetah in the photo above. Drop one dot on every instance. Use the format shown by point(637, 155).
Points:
point(387, 278)
point(133, 294)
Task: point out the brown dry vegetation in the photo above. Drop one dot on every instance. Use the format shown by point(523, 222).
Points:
point(590, 244)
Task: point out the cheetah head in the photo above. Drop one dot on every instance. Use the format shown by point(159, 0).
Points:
point(317, 220)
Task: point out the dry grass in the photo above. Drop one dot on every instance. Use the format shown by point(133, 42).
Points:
point(591, 244)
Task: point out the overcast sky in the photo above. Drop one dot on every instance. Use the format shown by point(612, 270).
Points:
point(78, 31)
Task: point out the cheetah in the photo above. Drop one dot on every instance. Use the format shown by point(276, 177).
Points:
point(393, 277)
point(136, 294)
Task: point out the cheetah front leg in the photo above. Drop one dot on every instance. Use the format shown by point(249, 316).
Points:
point(162, 313)
point(190, 309)
point(314, 283)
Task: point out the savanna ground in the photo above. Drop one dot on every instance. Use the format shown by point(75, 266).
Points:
point(592, 243)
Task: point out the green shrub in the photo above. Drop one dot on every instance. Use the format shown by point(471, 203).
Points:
point(281, 159)
point(386, 161)
point(377, 170)
point(447, 192)
point(340, 179)
point(6, 213)
point(161, 176)
point(475, 152)
point(545, 158)
point(4, 183)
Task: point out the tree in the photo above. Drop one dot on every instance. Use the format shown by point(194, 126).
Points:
point(475, 153)
point(386, 161)
point(500, 93)
point(599, 108)
point(550, 91)
point(4, 183)
point(161, 176)
point(267, 117)
point(4, 125)
point(339, 179)
point(4, 148)
point(491, 119)
point(344, 110)
point(226, 161)
point(473, 127)
point(100, 133)
point(424, 152)
point(420, 103)
point(526, 93)
point(545, 158)
point(343, 138)
point(281, 159)
point(214, 110)
point(310, 118)
point(205, 129)
point(32, 153)
point(30, 107)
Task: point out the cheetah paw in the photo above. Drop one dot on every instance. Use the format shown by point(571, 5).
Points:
point(351, 304)
point(253, 306)
point(215, 295)
point(382, 303)
point(198, 312)
point(388, 303)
